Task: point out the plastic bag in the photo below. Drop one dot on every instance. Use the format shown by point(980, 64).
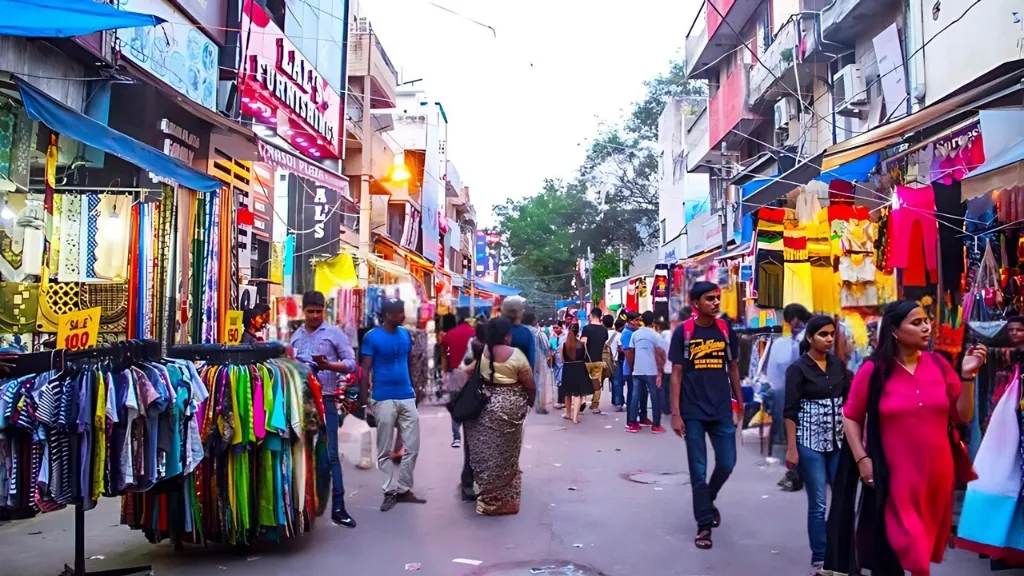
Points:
point(989, 514)
point(983, 304)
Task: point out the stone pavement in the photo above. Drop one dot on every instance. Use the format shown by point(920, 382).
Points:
point(586, 511)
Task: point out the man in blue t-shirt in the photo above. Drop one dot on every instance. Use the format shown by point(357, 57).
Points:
point(705, 379)
point(385, 354)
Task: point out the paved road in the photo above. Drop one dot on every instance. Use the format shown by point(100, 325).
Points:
point(608, 525)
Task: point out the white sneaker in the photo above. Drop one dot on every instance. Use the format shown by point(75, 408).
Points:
point(456, 443)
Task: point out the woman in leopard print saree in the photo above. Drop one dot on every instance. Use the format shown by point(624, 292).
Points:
point(495, 439)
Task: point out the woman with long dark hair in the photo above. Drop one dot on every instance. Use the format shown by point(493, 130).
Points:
point(575, 379)
point(908, 399)
point(816, 384)
point(495, 439)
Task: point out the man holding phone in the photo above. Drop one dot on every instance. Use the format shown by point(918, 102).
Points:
point(326, 348)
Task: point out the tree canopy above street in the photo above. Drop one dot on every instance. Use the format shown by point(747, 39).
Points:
point(611, 205)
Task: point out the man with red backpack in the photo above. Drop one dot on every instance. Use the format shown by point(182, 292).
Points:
point(705, 398)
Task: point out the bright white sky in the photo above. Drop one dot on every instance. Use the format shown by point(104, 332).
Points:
point(521, 107)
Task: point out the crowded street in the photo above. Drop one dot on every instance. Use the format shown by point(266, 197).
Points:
point(581, 516)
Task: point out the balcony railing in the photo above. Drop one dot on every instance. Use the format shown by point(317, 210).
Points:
point(696, 41)
point(367, 58)
point(728, 106)
point(776, 61)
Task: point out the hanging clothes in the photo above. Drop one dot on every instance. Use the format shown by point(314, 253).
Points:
point(265, 473)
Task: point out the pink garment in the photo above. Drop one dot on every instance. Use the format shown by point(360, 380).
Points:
point(259, 412)
point(914, 414)
point(916, 207)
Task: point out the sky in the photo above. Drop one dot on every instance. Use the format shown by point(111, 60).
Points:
point(523, 104)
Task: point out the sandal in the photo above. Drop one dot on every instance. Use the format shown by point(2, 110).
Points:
point(703, 539)
point(716, 518)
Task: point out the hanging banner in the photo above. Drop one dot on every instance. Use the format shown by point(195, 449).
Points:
point(78, 330)
point(659, 292)
point(289, 162)
point(233, 328)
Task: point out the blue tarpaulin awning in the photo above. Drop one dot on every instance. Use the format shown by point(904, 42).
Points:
point(853, 171)
point(566, 303)
point(479, 303)
point(496, 289)
point(763, 191)
point(66, 121)
point(66, 18)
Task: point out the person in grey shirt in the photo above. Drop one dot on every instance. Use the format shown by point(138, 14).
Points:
point(646, 359)
point(327, 350)
point(782, 353)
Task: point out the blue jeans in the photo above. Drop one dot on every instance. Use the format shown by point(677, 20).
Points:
point(640, 392)
point(819, 472)
point(331, 422)
point(649, 383)
point(723, 441)
point(618, 381)
point(666, 386)
point(456, 435)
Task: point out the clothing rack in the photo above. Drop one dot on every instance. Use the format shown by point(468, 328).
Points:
point(39, 362)
point(221, 353)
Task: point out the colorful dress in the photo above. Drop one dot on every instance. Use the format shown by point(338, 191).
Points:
point(495, 439)
point(914, 414)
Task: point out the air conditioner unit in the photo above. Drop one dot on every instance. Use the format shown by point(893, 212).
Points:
point(849, 87)
point(785, 110)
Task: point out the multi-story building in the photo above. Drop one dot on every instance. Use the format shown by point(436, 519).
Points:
point(677, 187)
point(797, 86)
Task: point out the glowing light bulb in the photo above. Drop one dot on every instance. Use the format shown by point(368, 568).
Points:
point(111, 228)
point(399, 173)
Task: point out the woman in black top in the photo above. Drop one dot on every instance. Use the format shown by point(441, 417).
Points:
point(816, 385)
point(575, 378)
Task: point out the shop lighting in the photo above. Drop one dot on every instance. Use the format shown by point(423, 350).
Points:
point(315, 152)
point(398, 172)
point(112, 229)
point(6, 213)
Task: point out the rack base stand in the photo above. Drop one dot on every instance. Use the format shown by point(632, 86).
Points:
point(79, 568)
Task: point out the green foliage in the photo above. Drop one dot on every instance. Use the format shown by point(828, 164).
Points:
point(606, 265)
point(612, 204)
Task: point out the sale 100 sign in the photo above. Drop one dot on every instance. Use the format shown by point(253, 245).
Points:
point(78, 330)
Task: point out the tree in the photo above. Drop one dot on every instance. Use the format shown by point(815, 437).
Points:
point(606, 266)
point(643, 121)
point(544, 234)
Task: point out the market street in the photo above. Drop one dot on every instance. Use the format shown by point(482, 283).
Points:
point(578, 508)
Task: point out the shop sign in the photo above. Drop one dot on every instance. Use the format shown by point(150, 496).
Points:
point(233, 330)
point(320, 212)
point(279, 86)
point(175, 51)
point(182, 144)
point(289, 162)
point(78, 330)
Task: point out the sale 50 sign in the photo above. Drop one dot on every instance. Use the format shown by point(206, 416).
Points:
point(78, 330)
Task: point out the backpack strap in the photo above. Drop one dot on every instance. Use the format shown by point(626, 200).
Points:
point(724, 327)
point(688, 327)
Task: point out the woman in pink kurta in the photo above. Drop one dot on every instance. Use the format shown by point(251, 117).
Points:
point(918, 396)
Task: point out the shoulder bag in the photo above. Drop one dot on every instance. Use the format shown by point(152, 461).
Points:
point(469, 402)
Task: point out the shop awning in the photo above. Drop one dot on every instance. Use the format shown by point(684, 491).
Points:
point(479, 303)
point(892, 133)
point(496, 289)
point(1004, 170)
point(853, 171)
point(740, 250)
point(559, 304)
point(66, 18)
point(66, 121)
point(620, 283)
point(761, 191)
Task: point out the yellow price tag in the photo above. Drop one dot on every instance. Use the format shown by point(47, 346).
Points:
point(233, 331)
point(78, 330)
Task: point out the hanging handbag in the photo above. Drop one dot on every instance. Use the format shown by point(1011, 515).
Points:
point(469, 402)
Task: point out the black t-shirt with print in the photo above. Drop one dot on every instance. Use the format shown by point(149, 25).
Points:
point(706, 392)
point(596, 335)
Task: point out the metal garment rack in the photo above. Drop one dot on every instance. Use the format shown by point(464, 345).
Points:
point(221, 353)
point(40, 362)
